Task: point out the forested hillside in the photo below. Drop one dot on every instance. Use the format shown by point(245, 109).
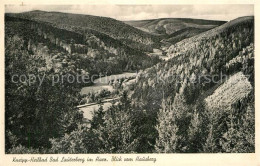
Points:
point(44, 39)
point(170, 25)
point(183, 34)
point(173, 30)
point(179, 86)
point(37, 111)
point(115, 29)
point(200, 100)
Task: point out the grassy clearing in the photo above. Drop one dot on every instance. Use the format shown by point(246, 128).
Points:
point(103, 83)
point(235, 88)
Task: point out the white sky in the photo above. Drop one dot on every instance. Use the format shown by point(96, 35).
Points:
point(140, 12)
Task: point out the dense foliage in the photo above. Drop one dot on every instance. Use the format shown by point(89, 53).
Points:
point(38, 111)
point(195, 62)
point(99, 26)
point(169, 108)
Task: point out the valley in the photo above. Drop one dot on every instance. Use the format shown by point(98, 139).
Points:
point(103, 84)
point(150, 86)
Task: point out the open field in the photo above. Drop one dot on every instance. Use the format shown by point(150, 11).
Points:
point(102, 82)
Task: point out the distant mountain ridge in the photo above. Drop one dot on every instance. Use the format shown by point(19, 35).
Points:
point(167, 26)
point(143, 35)
point(118, 30)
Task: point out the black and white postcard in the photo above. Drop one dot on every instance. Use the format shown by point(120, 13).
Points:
point(128, 83)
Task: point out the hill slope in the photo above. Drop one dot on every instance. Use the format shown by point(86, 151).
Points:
point(204, 54)
point(168, 26)
point(115, 29)
point(49, 41)
point(183, 34)
point(173, 93)
point(190, 43)
point(234, 89)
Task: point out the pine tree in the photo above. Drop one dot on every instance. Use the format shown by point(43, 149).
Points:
point(116, 133)
point(167, 129)
point(239, 136)
point(173, 123)
point(210, 145)
point(197, 132)
point(211, 118)
point(179, 106)
point(194, 133)
point(98, 118)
